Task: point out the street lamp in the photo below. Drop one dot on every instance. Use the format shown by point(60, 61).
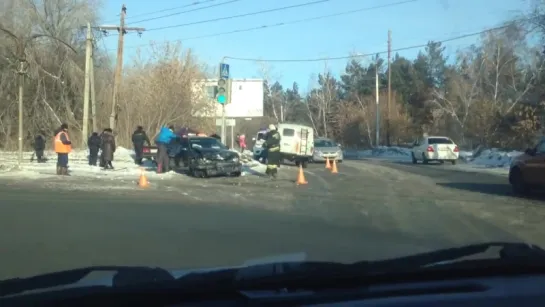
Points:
point(20, 45)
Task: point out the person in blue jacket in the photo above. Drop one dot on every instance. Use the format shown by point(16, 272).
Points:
point(166, 135)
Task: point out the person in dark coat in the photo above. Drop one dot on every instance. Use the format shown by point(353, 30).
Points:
point(272, 144)
point(139, 138)
point(94, 146)
point(39, 146)
point(107, 145)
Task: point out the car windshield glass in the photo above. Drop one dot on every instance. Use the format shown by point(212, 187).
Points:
point(439, 141)
point(324, 143)
point(211, 143)
point(338, 177)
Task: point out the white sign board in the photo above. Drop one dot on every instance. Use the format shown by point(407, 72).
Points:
point(228, 122)
point(246, 99)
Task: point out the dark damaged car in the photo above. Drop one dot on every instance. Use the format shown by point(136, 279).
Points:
point(207, 156)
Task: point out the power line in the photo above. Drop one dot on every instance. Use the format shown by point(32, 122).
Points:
point(240, 15)
point(169, 9)
point(263, 27)
point(367, 54)
point(188, 11)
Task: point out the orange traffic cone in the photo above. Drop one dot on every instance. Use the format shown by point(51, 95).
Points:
point(143, 181)
point(301, 177)
point(334, 167)
point(327, 164)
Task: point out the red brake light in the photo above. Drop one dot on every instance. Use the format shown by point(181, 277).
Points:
point(430, 149)
point(456, 149)
point(145, 150)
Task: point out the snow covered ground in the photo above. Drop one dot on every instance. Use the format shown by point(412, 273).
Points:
point(125, 169)
point(488, 160)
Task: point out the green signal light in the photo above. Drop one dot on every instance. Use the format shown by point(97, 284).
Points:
point(221, 99)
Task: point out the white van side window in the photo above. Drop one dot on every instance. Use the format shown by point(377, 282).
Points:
point(288, 132)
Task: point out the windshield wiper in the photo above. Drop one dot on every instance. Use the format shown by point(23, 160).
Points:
point(506, 251)
point(333, 274)
point(286, 274)
point(121, 276)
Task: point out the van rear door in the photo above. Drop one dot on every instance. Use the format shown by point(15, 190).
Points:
point(297, 140)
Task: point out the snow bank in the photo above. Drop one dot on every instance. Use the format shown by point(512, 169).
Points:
point(491, 158)
point(394, 153)
point(78, 166)
point(480, 159)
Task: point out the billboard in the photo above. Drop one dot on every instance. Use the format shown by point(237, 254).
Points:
point(246, 99)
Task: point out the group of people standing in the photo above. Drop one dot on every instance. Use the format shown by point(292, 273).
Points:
point(105, 142)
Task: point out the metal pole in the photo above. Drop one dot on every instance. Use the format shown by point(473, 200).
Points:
point(223, 136)
point(378, 109)
point(232, 137)
point(21, 84)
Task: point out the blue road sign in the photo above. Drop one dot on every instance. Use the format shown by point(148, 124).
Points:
point(224, 71)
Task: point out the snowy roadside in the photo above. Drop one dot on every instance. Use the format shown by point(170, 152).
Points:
point(493, 160)
point(125, 169)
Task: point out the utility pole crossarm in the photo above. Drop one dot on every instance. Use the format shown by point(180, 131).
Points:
point(116, 28)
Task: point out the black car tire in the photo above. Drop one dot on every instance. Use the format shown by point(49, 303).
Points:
point(236, 174)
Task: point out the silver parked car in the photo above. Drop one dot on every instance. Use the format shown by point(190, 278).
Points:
point(326, 148)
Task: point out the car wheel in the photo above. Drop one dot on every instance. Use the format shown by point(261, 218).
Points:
point(414, 158)
point(424, 160)
point(517, 182)
point(453, 162)
point(304, 164)
point(236, 174)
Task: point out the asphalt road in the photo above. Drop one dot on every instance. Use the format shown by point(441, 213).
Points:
point(370, 210)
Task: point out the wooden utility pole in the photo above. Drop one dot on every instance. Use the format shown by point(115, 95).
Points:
point(389, 87)
point(377, 93)
point(119, 61)
point(88, 51)
point(22, 71)
point(93, 98)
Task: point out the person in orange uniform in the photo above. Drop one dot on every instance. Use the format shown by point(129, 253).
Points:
point(63, 147)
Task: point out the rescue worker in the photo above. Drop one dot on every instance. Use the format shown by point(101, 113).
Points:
point(107, 145)
point(272, 145)
point(93, 143)
point(63, 147)
point(39, 146)
point(139, 137)
point(166, 135)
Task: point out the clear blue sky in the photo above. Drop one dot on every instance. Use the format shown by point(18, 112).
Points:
point(363, 32)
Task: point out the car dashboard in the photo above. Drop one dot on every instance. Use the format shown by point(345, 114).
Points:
point(495, 291)
point(517, 290)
